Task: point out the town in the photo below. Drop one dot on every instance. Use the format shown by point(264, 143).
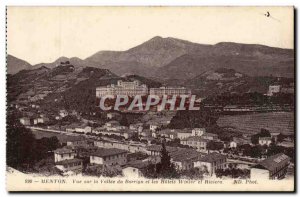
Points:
point(149, 144)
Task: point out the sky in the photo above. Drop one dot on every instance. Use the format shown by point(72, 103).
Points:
point(43, 34)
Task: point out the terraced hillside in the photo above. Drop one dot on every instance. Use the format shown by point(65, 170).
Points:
point(252, 123)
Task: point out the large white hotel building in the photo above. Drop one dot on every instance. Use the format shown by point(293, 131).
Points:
point(136, 88)
point(123, 88)
point(169, 91)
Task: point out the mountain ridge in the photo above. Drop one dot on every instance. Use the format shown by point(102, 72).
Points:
point(175, 58)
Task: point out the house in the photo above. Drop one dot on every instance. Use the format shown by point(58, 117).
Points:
point(149, 139)
point(275, 136)
point(133, 148)
point(83, 129)
point(154, 134)
point(109, 157)
point(155, 126)
point(127, 134)
point(77, 141)
point(238, 142)
point(274, 167)
point(63, 113)
point(112, 115)
point(210, 136)
point(63, 154)
point(155, 150)
point(183, 134)
point(265, 141)
point(135, 169)
point(111, 125)
point(70, 129)
point(198, 131)
point(69, 165)
point(167, 134)
point(42, 120)
point(211, 162)
point(183, 159)
point(136, 127)
point(25, 121)
point(273, 89)
point(145, 133)
point(196, 141)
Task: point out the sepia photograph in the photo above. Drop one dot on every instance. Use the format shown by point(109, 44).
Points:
point(157, 99)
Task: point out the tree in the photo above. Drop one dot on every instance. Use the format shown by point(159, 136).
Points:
point(280, 138)
point(256, 151)
point(264, 133)
point(193, 173)
point(124, 121)
point(165, 169)
point(20, 147)
point(254, 139)
point(212, 145)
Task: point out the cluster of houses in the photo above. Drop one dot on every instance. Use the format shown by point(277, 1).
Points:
point(26, 121)
point(69, 159)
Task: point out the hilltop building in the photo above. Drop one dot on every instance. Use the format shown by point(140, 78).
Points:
point(122, 88)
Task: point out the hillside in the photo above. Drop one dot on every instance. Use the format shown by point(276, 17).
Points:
point(64, 86)
point(255, 60)
point(223, 80)
point(75, 61)
point(15, 65)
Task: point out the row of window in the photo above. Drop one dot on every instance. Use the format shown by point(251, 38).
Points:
point(72, 164)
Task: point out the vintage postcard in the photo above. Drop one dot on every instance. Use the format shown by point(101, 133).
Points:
point(195, 99)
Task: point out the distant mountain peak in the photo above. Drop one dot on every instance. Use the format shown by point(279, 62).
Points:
point(15, 64)
point(156, 38)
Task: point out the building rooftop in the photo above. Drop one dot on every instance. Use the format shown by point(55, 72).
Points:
point(158, 148)
point(139, 164)
point(183, 131)
point(63, 151)
point(104, 152)
point(210, 134)
point(211, 157)
point(113, 122)
point(185, 154)
point(76, 138)
point(265, 138)
point(273, 162)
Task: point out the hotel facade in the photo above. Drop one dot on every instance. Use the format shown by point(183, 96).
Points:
point(135, 88)
point(122, 88)
point(170, 91)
